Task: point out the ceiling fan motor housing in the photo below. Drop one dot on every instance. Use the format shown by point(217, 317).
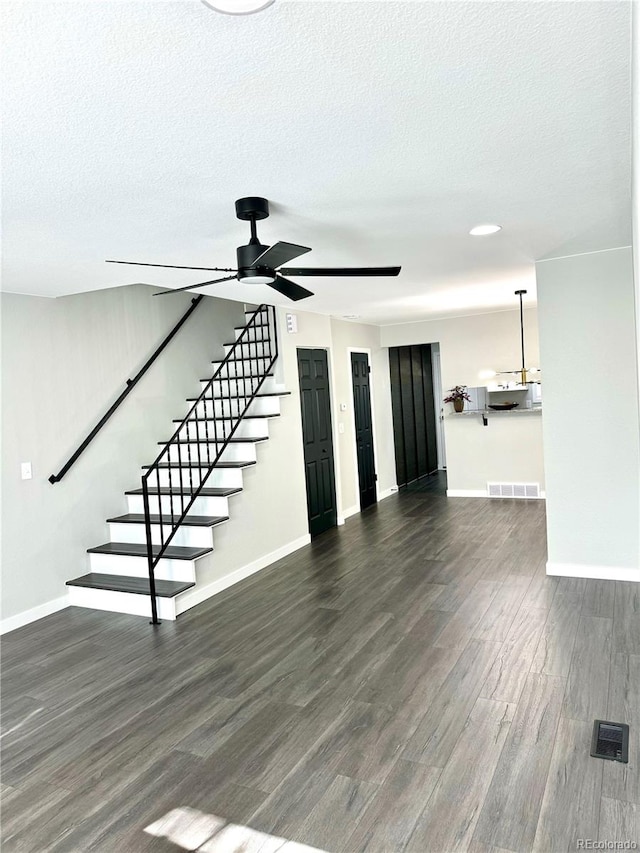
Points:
point(248, 273)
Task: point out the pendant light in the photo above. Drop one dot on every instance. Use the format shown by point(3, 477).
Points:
point(524, 370)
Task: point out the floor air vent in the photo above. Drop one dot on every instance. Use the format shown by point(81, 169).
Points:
point(610, 740)
point(513, 490)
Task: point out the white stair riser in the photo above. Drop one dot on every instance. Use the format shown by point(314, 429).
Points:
point(120, 602)
point(256, 367)
point(176, 477)
point(225, 478)
point(176, 454)
point(189, 537)
point(201, 506)
point(249, 427)
point(258, 333)
point(206, 453)
point(250, 348)
point(233, 408)
point(137, 567)
point(232, 386)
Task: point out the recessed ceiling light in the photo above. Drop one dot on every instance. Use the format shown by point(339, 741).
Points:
point(483, 230)
point(237, 7)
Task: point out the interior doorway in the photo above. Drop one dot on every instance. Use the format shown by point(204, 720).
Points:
point(360, 379)
point(414, 417)
point(315, 403)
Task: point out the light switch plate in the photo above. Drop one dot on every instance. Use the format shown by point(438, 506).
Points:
point(292, 324)
point(25, 470)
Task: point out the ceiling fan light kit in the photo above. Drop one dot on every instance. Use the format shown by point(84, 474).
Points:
point(259, 264)
point(485, 230)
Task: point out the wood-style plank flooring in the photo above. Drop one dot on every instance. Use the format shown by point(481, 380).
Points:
point(410, 681)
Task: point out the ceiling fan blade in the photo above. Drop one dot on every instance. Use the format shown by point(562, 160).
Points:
point(341, 271)
point(279, 254)
point(192, 286)
point(172, 266)
point(290, 289)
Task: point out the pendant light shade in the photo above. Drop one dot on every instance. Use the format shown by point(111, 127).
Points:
point(237, 7)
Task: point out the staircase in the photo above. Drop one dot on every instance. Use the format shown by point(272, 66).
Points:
point(150, 561)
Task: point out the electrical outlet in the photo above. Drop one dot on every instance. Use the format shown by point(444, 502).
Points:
point(25, 470)
point(340, 427)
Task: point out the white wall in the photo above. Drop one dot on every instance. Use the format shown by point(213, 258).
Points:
point(591, 428)
point(509, 449)
point(339, 337)
point(64, 361)
point(347, 337)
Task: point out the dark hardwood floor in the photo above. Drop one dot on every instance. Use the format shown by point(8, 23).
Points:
point(410, 681)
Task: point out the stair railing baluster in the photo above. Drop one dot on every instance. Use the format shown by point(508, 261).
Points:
point(244, 376)
point(189, 465)
point(199, 475)
point(223, 374)
point(171, 495)
point(205, 413)
point(147, 526)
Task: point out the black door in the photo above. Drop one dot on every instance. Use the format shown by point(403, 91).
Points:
point(364, 429)
point(414, 420)
point(316, 435)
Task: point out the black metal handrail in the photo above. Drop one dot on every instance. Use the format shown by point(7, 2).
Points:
point(229, 392)
point(130, 385)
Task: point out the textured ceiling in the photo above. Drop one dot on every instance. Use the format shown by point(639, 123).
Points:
point(380, 131)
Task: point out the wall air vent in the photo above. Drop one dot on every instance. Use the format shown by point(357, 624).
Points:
point(513, 490)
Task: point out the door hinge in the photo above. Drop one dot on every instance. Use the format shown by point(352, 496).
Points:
point(368, 369)
point(375, 477)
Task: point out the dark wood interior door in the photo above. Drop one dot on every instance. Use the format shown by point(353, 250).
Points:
point(414, 418)
point(315, 402)
point(364, 428)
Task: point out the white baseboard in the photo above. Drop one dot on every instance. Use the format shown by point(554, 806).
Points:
point(189, 599)
point(603, 573)
point(35, 613)
point(347, 513)
point(386, 493)
point(354, 510)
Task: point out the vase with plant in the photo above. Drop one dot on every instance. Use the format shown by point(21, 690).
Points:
point(457, 396)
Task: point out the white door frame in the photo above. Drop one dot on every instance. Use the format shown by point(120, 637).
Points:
point(437, 396)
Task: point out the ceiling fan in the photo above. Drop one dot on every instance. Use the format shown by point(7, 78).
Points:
point(259, 264)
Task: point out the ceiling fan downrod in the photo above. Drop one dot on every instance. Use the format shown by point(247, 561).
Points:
point(252, 209)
